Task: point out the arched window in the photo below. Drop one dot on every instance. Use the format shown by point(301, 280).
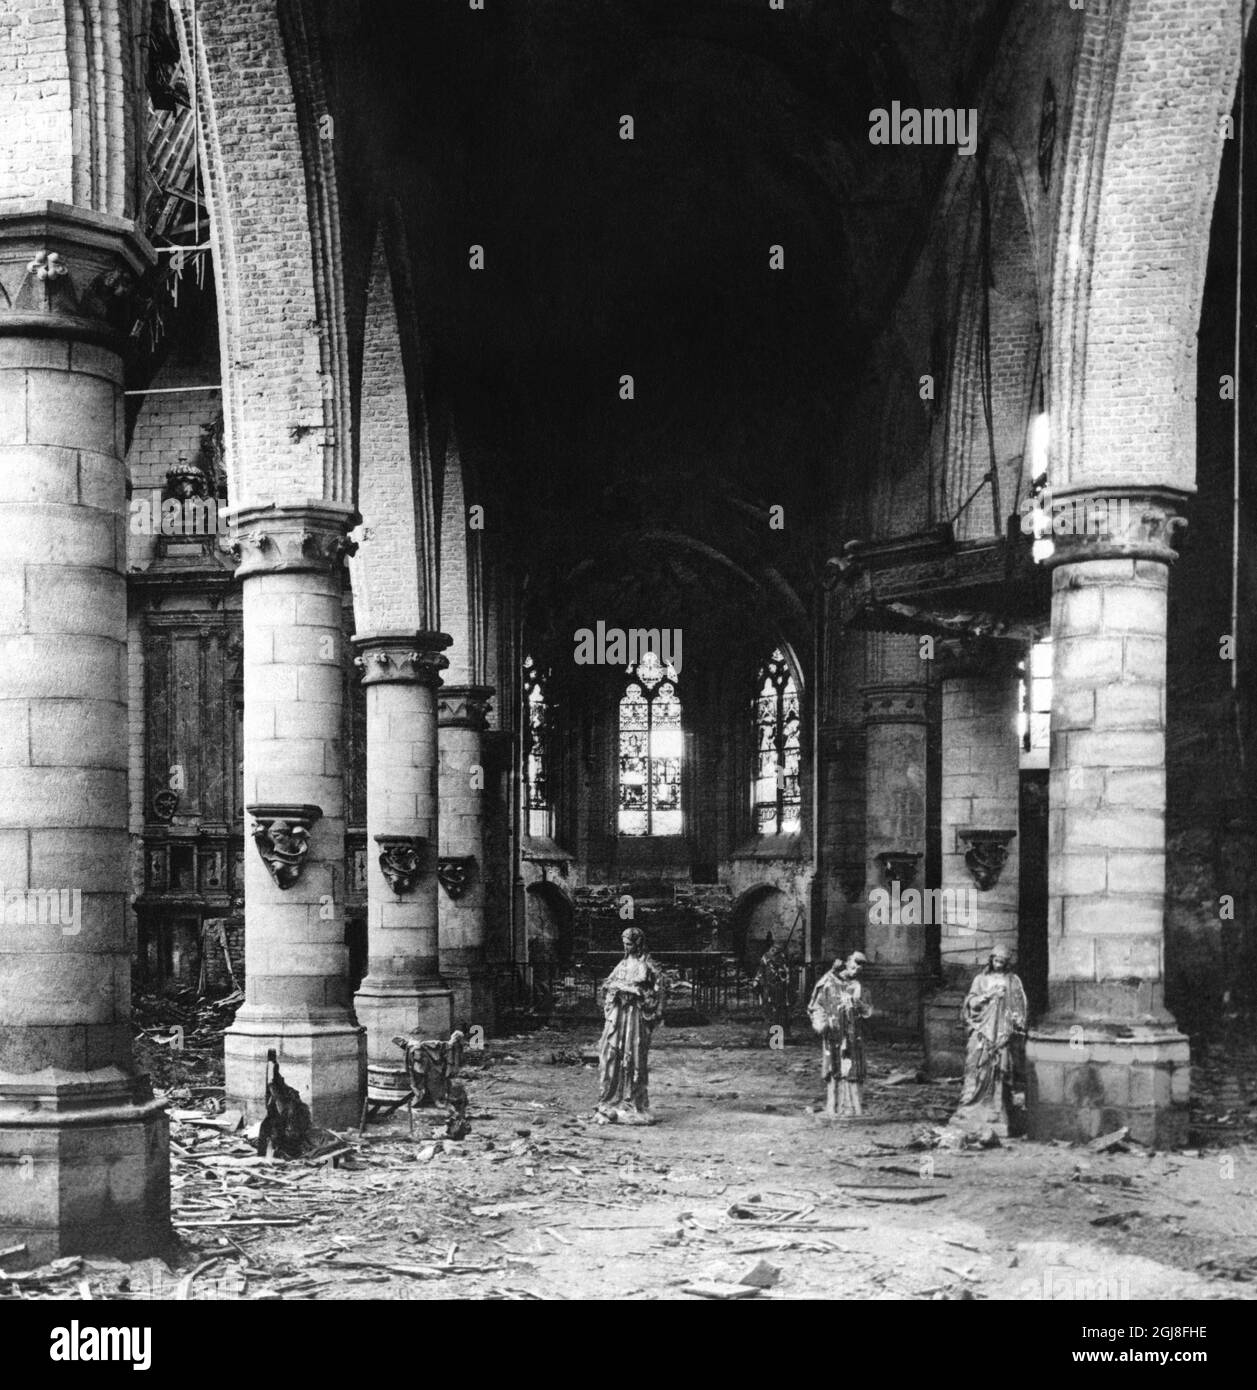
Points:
point(777, 798)
point(536, 792)
point(651, 745)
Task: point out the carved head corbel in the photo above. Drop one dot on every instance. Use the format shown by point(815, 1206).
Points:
point(453, 872)
point(282, 835)
point(986, 855)
point(401, 860)
point(899, 865)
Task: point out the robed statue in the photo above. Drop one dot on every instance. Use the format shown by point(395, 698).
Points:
point(772, 984)
point(995, 1015)
point(633, 1001)
point(838, 1010)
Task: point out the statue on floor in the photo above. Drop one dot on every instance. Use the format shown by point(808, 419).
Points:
point(772, 983)
point(995, 1015)
point(633, 1002)
point(838, 1010)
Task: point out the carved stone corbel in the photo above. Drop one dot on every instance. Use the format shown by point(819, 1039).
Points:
point(986, 855)
point(898, 866)
point(282, 835)
point(401, 860)
point(453, 872)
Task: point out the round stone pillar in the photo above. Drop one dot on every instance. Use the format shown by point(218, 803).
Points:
point(461, 719)
point(403, 991)
point(980, 802)
point(895, 772)
point(291, 558)
point(1108, 1053)
point(84, 1157)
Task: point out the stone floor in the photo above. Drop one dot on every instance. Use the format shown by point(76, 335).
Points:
point(540, 1202)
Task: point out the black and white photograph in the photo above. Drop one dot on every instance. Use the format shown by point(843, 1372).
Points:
point(628, 671)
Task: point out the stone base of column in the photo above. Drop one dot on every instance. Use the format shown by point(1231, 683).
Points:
point(387, 1008)
point(84, 1165)
point(1084, 1081)
point(323, 1059)
point(471, 984)
point(896, 993)
point(944, 1033)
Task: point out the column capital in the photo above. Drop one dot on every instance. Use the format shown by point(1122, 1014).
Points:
point(402, 657)
point(893, 703)
point(68, 272)
point(1123, 521)
point(970, 657)
point(463, 706)
point(288, 537)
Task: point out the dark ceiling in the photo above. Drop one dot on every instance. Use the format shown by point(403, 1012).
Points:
point(650, 257)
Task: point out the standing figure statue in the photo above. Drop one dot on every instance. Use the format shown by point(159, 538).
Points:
point(995, 1014)
point(838, 1010)
point(772, 983)
point(633, 1000)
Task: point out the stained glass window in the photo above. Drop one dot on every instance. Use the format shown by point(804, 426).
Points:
point(536, 792)
point(651, 749)
point(777, 797)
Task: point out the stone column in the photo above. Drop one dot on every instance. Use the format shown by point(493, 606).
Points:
point(895, 733)
point(291, 559)
point(1108, 1053)
point(980, 809)
point(403, 991)
point(84, 1160)
point(980, 802)
point(462, 711)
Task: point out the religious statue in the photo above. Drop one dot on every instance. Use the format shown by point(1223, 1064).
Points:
point(995, 1016)
point(772, 983)
point(838, 1010)
point(633, 1000)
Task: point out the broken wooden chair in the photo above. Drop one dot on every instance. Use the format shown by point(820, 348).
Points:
point(432, 1068)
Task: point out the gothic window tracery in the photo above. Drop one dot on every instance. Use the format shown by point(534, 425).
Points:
point(777, 797)
point(651, 751)
point(536, 790)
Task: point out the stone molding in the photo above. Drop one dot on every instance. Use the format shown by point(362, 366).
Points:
point(287, 537)
point(69, 272)
point(1133, 523)
point(402, 658)
point(464, 707)
point(971, 657)
point(893, 704)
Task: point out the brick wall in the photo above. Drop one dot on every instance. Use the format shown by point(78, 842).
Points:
point(276, 244)
point(386, 573)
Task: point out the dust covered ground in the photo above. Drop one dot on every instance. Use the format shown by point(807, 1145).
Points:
point(541, 1202)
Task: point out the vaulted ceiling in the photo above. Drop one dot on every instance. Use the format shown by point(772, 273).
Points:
point(650, 257)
